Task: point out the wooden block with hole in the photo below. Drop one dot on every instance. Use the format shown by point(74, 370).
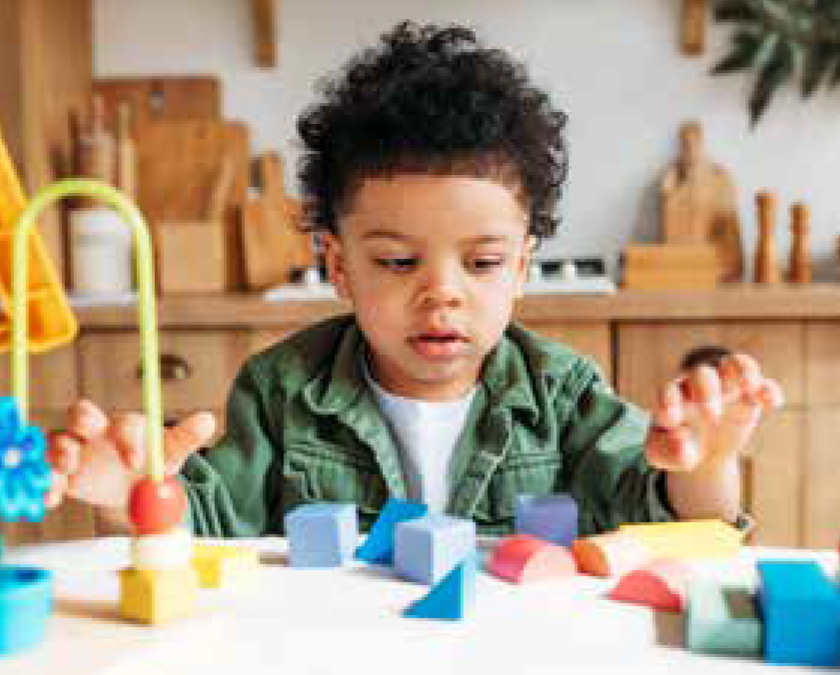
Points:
point(221, 566)
point(671, 267)
point(157, 596)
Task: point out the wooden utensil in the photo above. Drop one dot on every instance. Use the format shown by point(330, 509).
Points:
point(177, 168)
point(273, 242)
point(800, 261)
point(766, 261)
point(699, 204)
point(162, 98)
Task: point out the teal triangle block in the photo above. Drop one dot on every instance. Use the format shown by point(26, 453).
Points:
point(378, 548)
point(449, 598)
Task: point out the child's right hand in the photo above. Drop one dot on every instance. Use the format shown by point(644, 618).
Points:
point(97, 459)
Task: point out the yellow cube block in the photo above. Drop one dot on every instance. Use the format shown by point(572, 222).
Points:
point(219, 566)
point(156, 596)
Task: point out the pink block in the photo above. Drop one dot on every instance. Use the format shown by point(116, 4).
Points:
point(609, 554)
point(661, 584)
point(523, 558)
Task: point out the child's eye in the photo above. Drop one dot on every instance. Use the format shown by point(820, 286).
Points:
point(486, 264)
point(397, 264)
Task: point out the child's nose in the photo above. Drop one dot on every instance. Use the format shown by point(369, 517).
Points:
point(442, 286)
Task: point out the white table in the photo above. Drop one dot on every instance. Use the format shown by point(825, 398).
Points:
point(347, 621)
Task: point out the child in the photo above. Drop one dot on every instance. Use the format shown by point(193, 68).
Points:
point(433, 168)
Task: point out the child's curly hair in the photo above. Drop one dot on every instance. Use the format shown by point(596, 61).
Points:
point(432, 100)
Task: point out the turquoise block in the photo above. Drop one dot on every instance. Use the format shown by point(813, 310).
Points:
point(722, 619)
point(449, 599)
point(321, 535)
point(25, 606)
point(378, 548)
point(801, 610)
point(427, 548)
point(553, 518)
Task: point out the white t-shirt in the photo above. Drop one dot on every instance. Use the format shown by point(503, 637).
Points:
point(426, 434)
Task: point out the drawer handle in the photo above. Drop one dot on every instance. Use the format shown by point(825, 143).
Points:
point(173, 368)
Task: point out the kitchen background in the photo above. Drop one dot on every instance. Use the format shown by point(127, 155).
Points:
point(615, 65)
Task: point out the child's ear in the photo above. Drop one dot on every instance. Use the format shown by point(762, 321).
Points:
point(334, 258)
point(524, 265)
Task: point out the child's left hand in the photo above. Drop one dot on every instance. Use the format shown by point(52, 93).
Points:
point(708, 414)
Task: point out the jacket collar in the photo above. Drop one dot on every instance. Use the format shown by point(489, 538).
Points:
point(508, 376)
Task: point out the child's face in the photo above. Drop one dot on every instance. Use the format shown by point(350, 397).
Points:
point(432, 265)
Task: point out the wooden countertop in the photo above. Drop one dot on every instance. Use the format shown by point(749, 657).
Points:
point(742, 301)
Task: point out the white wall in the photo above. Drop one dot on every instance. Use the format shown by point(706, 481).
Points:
point(614, 65)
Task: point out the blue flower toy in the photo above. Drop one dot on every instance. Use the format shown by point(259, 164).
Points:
point(25, 592)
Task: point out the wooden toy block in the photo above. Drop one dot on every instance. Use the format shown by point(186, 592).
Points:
point(220, 566)
point(801, 610)
point(523, 557)
point(321, 535)
point(167, 550)
point(450, 598)
point(687, 539)
point(157, 596)
point(378, 548)
point(427, 548)
point(611, 554)
point(661, 584)
point(553, 518)
point(25, 605)
point(722, 619)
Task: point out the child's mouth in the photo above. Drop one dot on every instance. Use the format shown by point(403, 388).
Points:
point(439, 345)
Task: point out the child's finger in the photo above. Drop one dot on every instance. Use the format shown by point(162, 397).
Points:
point(184, 439)
point(128, 432)
point(703, 388)
point(672, 449)
point(63, 453)
point(770, 394)
point(748, 373)
point(86, 420)
point(58, 488)
point(669, 411)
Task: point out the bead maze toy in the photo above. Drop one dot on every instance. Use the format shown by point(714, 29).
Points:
point(25, 592)
point(162, 582)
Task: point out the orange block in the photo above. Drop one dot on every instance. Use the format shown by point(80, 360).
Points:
point(661, 584)
point(610, 554)
point(523, 558)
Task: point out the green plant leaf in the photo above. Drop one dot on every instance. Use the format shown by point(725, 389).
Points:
point(734, 10)
point(745, 47)
point(777, 68)
point(818, 61)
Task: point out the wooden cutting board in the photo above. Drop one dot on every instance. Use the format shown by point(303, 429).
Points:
point(271, 236)
point(699, 204)
point(161, 98)
point(177, 168)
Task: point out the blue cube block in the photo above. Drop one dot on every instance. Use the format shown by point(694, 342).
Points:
point(801, 610)
point(553, 518)
point(26, 599)
point(427, 548)
point(321, 535)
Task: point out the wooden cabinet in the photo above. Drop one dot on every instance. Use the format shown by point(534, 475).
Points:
point(791, 473)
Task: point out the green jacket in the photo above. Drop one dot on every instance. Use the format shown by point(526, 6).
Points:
point(303, 426)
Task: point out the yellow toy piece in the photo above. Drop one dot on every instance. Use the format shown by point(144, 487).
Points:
point(220, 566)
point(687, 539)
point(51, 321)
point(157, 596)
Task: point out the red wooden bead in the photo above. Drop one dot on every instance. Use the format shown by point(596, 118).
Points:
point(156, 506)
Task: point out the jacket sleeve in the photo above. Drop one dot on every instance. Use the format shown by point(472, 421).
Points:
point(230, 485)
point(607, 472)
